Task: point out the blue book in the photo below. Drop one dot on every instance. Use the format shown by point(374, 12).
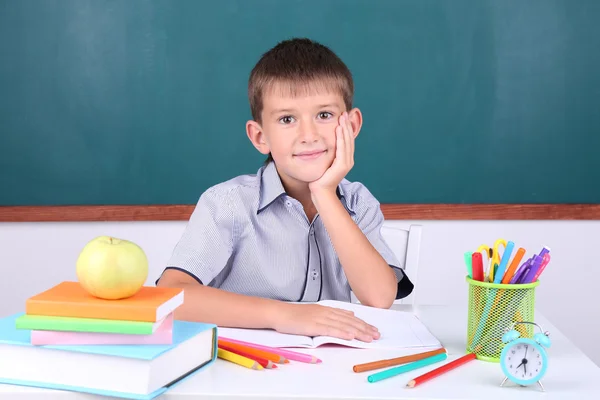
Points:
point(138, 372)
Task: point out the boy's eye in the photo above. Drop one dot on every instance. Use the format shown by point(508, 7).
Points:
point(286, 119)
point(325, 115)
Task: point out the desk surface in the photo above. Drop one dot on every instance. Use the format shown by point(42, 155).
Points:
point(570, 374)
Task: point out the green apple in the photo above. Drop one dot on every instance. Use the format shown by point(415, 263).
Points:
point(111, 268)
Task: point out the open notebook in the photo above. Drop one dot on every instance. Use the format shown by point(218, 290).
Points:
point(398, 329)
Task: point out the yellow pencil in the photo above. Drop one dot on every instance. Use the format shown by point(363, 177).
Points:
point(237, 359)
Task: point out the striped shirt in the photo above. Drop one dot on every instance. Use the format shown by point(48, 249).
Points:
point(246, 235)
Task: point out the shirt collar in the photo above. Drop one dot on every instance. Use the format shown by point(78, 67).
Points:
point(271, 188)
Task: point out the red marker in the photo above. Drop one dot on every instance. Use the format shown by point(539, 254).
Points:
point(477, 266)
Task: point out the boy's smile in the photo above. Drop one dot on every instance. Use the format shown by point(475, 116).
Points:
point(310, 155)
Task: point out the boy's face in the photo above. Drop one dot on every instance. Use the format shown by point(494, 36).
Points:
point(299, 132)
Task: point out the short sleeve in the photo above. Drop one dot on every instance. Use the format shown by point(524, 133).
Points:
point(369, 219)
point(207, 241)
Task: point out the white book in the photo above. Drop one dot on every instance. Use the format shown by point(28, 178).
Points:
point(398, 330)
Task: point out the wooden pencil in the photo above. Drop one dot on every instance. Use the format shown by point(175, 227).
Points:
point(396, 361)
point(237, 359)
point(289, 354)
point(276, 358)
point(441, 370)
point(262, 361)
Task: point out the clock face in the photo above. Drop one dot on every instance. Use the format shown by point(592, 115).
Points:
point(524, 362)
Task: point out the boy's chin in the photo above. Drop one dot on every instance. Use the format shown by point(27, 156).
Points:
point(308, 175)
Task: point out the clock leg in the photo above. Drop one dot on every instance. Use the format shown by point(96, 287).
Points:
point(504, 381)
point(541, 386)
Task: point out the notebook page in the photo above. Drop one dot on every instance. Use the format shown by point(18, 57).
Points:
point(398, 329)
point(265, 337)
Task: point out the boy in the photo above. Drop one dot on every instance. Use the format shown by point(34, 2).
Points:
point(257, 246)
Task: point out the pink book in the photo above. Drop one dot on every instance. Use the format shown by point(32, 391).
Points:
point(162, 335)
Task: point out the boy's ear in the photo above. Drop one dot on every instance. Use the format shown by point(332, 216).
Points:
point(356, 120)
point(257, 137)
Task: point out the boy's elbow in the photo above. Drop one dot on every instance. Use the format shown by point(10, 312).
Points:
point(396, 290)
point(384, 303)
point(385, 296)
point(381, 301)
point(381, 298)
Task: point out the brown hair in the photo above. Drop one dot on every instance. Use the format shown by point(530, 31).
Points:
point(297, 66)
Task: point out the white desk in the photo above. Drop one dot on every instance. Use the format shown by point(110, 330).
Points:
point(570, 374)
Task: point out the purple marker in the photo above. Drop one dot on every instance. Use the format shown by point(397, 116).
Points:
point(544, 251)
point(524, 268)
point(535, 265)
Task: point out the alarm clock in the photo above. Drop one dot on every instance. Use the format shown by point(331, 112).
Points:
point(524, 361)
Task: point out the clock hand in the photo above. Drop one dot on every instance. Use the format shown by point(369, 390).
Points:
point(519, 365)
point(525, 359)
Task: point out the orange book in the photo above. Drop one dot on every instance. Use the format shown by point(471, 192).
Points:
point(70, 299)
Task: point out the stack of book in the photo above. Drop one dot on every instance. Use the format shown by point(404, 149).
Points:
point(130, 348)
point(67, 314)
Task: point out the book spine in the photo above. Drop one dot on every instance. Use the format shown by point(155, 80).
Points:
point(119, 313)
point(40, 338)
point(98, 326)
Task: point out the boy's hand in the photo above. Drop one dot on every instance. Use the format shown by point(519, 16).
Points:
point(318, 320)
point(343, 161)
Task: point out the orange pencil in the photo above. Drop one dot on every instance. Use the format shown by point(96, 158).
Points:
point(441, 370)
point(390, 362)
point(259, 353)
point(262, 361)
point(513, 266)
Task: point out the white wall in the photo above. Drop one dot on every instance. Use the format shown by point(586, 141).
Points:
point(35, 256)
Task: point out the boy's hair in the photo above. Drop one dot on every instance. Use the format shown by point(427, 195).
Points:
point(297, 66)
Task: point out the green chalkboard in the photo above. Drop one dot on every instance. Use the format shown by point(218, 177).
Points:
point(144, 102)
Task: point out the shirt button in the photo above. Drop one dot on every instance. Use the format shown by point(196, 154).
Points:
point(288, 203)
point(315, 274)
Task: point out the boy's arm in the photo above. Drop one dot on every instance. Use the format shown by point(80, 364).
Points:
point(204, 303)
point(227, 309)
point(370, 276)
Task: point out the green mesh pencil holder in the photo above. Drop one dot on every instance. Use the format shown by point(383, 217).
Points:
point(493, 308)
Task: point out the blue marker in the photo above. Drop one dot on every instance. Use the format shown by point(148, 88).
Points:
point(504, 262)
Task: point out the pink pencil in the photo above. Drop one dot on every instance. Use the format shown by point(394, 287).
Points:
point(291, 355)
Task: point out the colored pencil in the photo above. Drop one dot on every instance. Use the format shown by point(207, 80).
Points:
point(441, 370)
point(510, 272)
point(260, 353)
point(237, 359)
point(388, 373)
point(290, 355)
point(262, 361)
point(390, 362)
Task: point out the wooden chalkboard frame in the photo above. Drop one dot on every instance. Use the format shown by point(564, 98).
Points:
point(390, 212)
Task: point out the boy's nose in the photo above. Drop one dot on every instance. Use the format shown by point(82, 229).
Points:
point(308, 132)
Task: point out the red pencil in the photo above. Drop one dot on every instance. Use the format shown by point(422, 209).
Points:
point(441, 370)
